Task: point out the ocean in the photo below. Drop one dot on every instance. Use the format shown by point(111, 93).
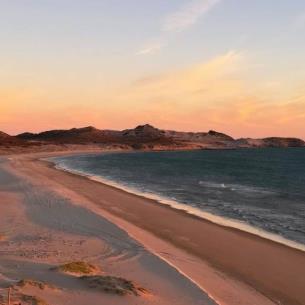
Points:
point(263, 189)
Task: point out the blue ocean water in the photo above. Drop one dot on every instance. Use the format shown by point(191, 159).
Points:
point(264, 188)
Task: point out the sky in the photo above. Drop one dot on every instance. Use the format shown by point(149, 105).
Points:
point(235, 66)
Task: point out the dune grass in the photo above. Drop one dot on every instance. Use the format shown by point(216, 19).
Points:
point(33, 300)
point(34, 283)
point(78, 267)
point(114, 285)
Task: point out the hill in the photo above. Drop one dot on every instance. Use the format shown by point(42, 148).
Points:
point(7, 140)
point(75, 135)
point(140, 134)
point(147, 137)
point(270, 142)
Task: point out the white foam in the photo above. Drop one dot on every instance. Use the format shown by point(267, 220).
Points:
point(244, 189)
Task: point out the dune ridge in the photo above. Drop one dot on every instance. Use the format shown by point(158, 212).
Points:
point(145, 137)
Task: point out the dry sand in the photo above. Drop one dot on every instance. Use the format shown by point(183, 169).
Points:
point(43, 228)
point(64, 217)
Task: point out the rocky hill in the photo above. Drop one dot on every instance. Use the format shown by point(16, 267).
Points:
point(140, 134)
point(75, 135)
point(270, 142)
point(7, 140)
point(212, 138)
point(145, 137)
point(86, 135)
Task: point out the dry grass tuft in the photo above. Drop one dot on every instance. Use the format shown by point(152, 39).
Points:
point(32, 300)
point(114, 285)
point(34, 283)
point(77, 268)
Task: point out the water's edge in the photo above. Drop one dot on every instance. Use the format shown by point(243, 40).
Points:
point(220, 220)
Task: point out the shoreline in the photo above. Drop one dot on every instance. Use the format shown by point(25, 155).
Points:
point(45, 226)
point(242, 249)
point(189, 210)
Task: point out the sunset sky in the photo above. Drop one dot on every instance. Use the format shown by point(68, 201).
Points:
point(236, 66)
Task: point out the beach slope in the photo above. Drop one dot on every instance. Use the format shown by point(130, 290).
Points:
point(232, 266)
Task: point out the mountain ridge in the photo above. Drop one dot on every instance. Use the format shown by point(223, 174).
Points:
point(146, 136)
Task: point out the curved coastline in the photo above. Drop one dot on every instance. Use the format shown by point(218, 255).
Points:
point(216, 219)
point(211, 254)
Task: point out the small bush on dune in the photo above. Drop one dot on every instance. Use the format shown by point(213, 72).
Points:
point(33, 300)
point(34, 283)
point(77, 267)
point(114, 285)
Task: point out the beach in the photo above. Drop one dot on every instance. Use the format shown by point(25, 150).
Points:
point(178, 257)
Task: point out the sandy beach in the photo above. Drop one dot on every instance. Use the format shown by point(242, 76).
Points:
point(50, 217)
point(152, 152)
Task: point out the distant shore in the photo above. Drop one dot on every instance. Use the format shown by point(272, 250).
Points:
point(275, 270)
point(142, 137)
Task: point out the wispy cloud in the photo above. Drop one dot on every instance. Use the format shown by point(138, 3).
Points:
point(211, 80)
point(178, 21)
point(188, 15)
point(219, 94)
point(150, 49)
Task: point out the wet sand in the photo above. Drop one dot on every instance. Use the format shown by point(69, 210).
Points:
point(233, 260)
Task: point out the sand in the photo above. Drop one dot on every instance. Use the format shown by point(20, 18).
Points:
point(44, 229)
point(179, 257)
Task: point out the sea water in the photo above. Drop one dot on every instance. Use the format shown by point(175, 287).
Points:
point(263, 188)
